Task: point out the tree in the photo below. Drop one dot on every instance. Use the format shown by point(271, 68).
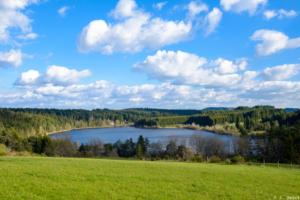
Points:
point(171, 149)
point(155, 150)
point(184, 153)
point(141, 147)
point(126, 149)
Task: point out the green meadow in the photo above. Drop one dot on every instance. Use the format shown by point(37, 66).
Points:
point(75, 178)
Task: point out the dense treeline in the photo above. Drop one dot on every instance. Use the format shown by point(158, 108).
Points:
point(199, 149)
point(279, 146)
point(283, 143)
point(246, 120)
point(278, 139)
point(27, 122)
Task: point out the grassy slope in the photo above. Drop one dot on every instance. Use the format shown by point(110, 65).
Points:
point(67, 178)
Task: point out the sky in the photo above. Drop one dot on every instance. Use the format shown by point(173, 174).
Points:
point(183, 54)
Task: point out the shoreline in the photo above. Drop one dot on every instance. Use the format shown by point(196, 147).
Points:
point(90, 127)
point(196, 128)
point(167, 127)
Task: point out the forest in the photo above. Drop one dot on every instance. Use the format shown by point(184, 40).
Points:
point(276, 132)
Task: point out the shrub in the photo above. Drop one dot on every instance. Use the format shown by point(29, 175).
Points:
point(227, 161)
point(237, 159)
point(184, 153)
point(197, 158)
point(214, 159)
point(3, 150)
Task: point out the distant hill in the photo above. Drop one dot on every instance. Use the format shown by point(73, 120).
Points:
point(166, 111)
point(291, 109)
point(216, 109)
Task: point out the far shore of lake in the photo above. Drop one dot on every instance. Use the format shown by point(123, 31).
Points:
point(93, 127)
point(197, 128)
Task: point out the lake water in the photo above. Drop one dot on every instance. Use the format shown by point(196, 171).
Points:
point(111, 135)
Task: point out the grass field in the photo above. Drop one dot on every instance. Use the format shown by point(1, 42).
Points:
point(73, 178)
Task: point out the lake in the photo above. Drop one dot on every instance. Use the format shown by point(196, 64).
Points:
point(111, 135)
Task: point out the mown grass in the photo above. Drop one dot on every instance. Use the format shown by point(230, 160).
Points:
point(74, 178)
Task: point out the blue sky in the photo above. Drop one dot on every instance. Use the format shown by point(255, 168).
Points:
point(166, 54)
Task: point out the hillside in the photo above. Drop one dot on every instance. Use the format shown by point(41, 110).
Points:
point(74, 178)
point(24, 122)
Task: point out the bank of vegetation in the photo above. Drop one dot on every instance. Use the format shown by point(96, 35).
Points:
point(276, 132)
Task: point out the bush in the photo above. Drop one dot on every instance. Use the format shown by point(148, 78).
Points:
point(227, 161)
point(63, 148)
point(214, 159)
point(197, 158)
point(3, 150)
point(237, 159)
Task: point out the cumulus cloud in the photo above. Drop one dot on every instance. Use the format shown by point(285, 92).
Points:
point(61, 74)
point(279, 93)
point(281, 13)
point(212, 20)
point(272, 41)
point(107, 94)
point(12, 58)
point(269, 86)
point(63, 11)
point(185, 68)
point(239, 6)
point(228, 67)
point(29, 77)
point(102, 94)
point(281, 72)
point(13, 17)
point(196, 7)
point(125, 8)
point(145, 31)
point(55, 75)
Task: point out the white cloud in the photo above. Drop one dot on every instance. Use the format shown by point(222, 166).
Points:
point(61, 74)
point(50, 89)
point(16, 4)
point(186, 68)
point(125, 8)
point(160, 5)
point(269, 14)
point(229, 67)
point(12, 58)
point(239, 6)
point(28, 36)
point(145, 31)
point(54, 76)
point(212, 20)
point(286, 13)
point(106, 94)
point(63, 11)
point(13, 17)
point(281, 72)
point(251, 89)
point(272, 41)
point(102, 94)
point(281, 13)
point(196, 7)
point(29, 77)
point(280, 93)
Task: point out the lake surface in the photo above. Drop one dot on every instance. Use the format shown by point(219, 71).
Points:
point(111, 135)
